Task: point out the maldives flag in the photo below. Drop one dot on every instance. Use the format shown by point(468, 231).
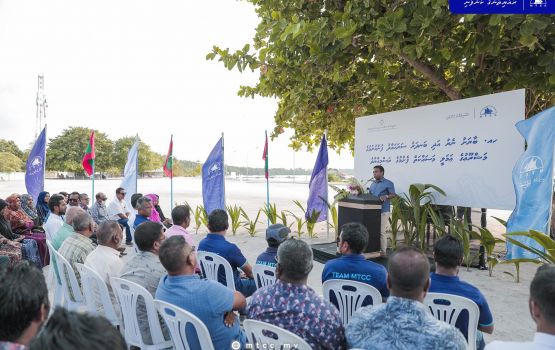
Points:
point(265, 157)
point(168, 165)
point(88, 158)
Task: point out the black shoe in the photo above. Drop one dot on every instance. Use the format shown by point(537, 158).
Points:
point(130, 243)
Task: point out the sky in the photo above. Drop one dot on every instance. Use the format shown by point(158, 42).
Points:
point(134, 66)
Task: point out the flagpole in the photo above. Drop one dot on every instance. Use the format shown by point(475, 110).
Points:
point(171, 177)
point(137, 165)
point(327, 202)
point(223, 161)
point(44, 161)
point(92, 195)
point(267, 178)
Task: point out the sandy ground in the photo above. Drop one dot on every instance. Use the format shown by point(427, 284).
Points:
point(508, 300)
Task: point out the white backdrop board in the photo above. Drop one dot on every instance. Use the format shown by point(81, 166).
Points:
point(466, 147)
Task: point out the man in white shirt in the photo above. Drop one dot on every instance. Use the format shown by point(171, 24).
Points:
point(105, 258)
point(118, 211)
point(542, 310)
point(57, 206)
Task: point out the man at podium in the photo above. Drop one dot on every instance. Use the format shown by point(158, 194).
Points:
point(385, 190)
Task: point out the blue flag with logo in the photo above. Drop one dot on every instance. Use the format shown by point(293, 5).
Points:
point(533, 181)
point(130, 173)
point(213, 182)
point(318, 186)
point(34, 169)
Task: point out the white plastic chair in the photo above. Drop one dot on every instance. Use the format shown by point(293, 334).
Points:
point(264, 275)
point(448, 307)
point(127, 294)
point(69, 283)
point(177, 319)
point(96, 294)
point(350, 295)
point(257, 333)
point(52, 280)
point(210, 264)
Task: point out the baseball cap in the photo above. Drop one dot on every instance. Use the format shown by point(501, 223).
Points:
point(277, 232)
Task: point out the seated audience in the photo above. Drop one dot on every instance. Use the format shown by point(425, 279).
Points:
point(275, 235)
point(157, 215)
point(215, 242)
point(67, 228)
point(69, 330)
point(144, 209)
point(73, 200)
point(10, 251)
point(181, 216)
point(78, 246)
point(28, 207)
point(403, 322)
point(133, 215)
point(352, 265)
point(84, 201)
point(24, 305)
point(210, 301)
point(22, 224)
point(292, 305)
point(542, 310)
point(118, 211)
point(57, 207)
point(99, 212)
point(42, 206)
point(448, 256)
point(145, 269)
point(105, 258)
point(27, 247)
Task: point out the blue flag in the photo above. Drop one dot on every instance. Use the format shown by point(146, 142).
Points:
point(130, 173)
point(318, 186)
point(533, 181)
point(213, 182)
point(34, 170)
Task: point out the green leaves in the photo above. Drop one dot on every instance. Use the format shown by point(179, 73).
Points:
point(356, 56)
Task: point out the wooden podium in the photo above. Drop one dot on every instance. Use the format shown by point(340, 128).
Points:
point(364, 209)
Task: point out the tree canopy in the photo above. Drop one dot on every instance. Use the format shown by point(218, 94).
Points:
point(9, 162)
point(10, 147)
point(331, 61)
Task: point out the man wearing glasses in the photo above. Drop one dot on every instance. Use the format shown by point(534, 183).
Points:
point(117, 211)
point(73, 200)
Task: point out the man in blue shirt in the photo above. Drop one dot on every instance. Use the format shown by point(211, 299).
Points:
point(208, 300)
point(215, 242)
point(384, 190)
point(275, 235)
point(352, 265)
point(448, 255)
point(144, 209)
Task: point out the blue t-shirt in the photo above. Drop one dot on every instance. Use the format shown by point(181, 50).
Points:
point(268, 258)
point(355, 268)
point(453, 285)
point(381, 188)
point(209, 301)
point(139, 219)
point(216, 243)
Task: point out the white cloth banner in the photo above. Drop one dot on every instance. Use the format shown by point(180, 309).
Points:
point(466, 147)
point(129, 181)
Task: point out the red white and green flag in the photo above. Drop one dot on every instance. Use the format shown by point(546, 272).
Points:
point(265, 157)
point(168, 165)
point(88, 158)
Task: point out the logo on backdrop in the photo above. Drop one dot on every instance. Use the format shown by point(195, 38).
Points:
point(382, 125)
point(530, 172)
point(538, 3)
point(214, 170)
point(35, 166)
point(488, 112)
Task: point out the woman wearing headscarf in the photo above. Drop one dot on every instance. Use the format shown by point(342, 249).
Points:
point(28, 248)
point(157, 214)
point(29, 208)
point(21, 223)
point(42, 206)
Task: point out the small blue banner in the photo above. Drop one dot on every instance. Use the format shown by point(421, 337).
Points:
point(502, 6)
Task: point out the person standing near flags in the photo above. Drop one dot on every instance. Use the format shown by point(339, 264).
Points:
point(385, 190)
